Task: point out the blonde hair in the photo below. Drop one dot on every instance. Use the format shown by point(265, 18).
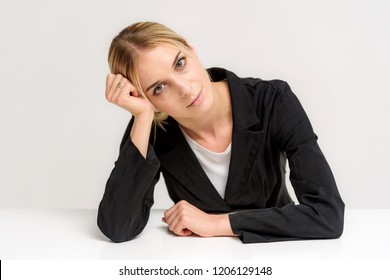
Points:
point(130, 42)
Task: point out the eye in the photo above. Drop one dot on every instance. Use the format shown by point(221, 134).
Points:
point(158, 89)
point(181, 62)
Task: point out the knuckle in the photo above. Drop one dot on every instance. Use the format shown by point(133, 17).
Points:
point(182, 202)
point(184, 219)
point(181, 207)
point(109, 98)
point(109, 77)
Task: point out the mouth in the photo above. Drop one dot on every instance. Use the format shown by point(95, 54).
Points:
point(194, 101)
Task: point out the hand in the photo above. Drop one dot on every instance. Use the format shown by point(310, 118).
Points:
point(126, 97)
point(185, 219)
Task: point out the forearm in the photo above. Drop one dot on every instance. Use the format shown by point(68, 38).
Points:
point(128, 197)
point(291, 222)
point(140, 132)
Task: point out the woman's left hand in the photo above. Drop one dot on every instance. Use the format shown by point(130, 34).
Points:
point(185, 219)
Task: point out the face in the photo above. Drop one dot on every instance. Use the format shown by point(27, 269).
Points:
point(175, 82)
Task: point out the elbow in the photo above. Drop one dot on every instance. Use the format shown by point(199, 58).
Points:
point(335, 222)
point(118, 229)
point(116, 234)
point(117, 238)
point(115, 230)
point(336, 230)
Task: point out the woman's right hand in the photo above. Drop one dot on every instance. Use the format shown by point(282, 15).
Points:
point(127, 96)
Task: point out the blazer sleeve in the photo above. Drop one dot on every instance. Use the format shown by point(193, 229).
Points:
point(125, 207)
point(320, 212)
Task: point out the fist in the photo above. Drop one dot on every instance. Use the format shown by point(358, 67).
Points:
point(121, 92)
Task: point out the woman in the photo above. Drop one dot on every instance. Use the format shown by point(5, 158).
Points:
point(221, 143)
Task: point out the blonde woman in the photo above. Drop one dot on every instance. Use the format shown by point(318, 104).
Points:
point(221, 143)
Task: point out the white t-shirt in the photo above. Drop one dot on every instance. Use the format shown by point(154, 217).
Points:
point(215, 165)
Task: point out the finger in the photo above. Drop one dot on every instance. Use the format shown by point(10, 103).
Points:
point(174, 207)
point(174, 213)
point(185, 232)
point(178, 226)
point(117, 86)
point(124, 92)
point(129, 88)
point(113, 86)
point(173, 223)
point(134, 92)
point(109, 79)
point(182, 230)
point(169, 212)
point(125, 95)
point(180, 219)
point(121, 91)
point(170, 219)
point(182, 211)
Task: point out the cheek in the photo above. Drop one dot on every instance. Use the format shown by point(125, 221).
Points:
point(163, 104)
point(155, 103)
point(198, 69)
point(202, 74)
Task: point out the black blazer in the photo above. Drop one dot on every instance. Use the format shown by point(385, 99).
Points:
point(269, 125)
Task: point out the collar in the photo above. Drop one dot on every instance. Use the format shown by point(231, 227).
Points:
point(244, 113)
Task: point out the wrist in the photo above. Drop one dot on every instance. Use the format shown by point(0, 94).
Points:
point(222, 225)
point(145, 117)
point(140, 132)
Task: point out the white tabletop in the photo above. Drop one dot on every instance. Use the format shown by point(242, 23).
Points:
point(73, 234)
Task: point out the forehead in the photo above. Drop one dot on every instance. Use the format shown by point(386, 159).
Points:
point(154, 63)
point(157, 55)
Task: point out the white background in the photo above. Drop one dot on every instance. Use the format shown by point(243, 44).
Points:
point(60, 137)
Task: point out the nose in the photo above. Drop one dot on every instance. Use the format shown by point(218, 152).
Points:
point(184, 88)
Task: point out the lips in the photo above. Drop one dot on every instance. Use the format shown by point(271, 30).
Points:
point(195, 99)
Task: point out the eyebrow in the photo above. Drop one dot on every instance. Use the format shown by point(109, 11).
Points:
point(173, 66)
point(176, 59)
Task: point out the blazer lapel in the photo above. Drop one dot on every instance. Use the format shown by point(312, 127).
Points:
point(245, 145)
point(246, 139)
point(181, 161)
